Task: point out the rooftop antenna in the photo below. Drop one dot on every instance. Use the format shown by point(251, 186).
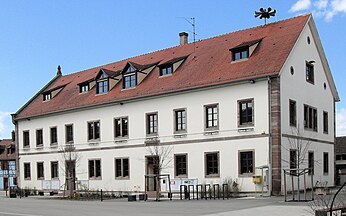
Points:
point(192, 22)
point(266, 14)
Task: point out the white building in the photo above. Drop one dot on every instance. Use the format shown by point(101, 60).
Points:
point(222, 107)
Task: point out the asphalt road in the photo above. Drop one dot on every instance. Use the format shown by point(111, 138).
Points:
point(44, 206)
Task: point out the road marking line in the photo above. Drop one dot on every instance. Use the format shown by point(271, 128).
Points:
point(17, 214)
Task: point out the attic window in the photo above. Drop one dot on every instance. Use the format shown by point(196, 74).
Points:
point(84, 88)
point(241, 53)
point(166, 70)
point(47, 96)
point(244, 50)
point(102, 84)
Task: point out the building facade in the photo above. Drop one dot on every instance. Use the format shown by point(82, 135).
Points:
point(340, 159)
point(8, 157)
point(210, 111)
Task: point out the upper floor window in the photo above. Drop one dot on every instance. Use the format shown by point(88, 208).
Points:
point(121, 127)
point(69, 133)
point(310, 77)
point(47, 96)
point(180, 120)
point(293, 112)
point(102, 84)
point(166, 70)
point(325, 122)
point(152, 123)
point(211, 117)
point(246, 112)
point(130, 81)
point(310, 117)
point(84, 88)
point(26, 139)
point(53, 135)
point(94, 130)
point(39, 137)
point(241, 53)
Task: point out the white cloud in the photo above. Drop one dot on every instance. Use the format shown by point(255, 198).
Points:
point(301, 5)
point(5, 122)
point(327, 9)
point(321, 4)
point(341, 122)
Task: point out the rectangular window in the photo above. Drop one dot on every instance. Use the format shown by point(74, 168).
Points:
point(293, 160)
point(212, 164)
point(26, 139)
point(311, 163)
point(310, 118)
point(166, 70)
point(84, 88)
point(325, 122)
point(94, 130)
point(130, 81)
point(53, 135)
point(69, 133)
point(95, 169)
point(325, 163)
point(180, 120)
point(180, 165)
point(293, 113)
point(240, 53)
point(40, 171)
point(246, 112)
point(102, 86)
point(310, 73)
point(122, 168)
point(211, 117)
point(27, 171)
point(246, 160)
point(121, 127)
point(39, 137)
point(47, 96)
point(54, 170)
point(152, 124)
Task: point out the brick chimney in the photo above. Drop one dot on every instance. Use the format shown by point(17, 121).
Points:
point(183, 38)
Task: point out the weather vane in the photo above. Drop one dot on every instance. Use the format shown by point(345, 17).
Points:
point(266, 14)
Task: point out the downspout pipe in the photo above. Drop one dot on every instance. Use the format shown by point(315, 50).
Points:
point(270, 136)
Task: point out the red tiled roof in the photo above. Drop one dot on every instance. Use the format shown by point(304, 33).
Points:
point(209, 65)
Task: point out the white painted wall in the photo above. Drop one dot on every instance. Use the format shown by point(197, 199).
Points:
point(296, 87)
point(194, 103)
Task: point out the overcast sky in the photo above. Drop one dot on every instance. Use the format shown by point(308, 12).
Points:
point(37, 36)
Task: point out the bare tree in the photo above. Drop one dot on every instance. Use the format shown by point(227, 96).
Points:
point(298, 148)
point(70, 158)
point(162, 159)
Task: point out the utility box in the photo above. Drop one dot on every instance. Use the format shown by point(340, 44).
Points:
point(257, 179)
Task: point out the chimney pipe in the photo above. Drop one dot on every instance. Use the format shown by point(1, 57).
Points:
point(183, 38)
point(13, 136)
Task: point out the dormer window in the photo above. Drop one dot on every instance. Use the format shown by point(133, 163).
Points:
point(166, 70)
point(244, 50)
point(102, 84)
point(242, 53)
point(47, 96)
point(130, 78)
point(84, 88)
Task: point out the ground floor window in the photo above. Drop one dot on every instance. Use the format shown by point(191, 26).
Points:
point(27, 171)
point(325, 163)
point(212, 164)
point(95, 169)
point(246, 162)
point(122, 168)
point(54, 167)
point(180, 161)
point(40, 170)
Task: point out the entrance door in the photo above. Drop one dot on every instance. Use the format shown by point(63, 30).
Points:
point(151, 170)
point(70, 172)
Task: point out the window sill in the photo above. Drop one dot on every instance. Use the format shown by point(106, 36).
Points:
point(210, 133)
point(166, 75)
point(69, 143)
point(124, 89)
point(246, 129)
point(103, 93)
point(118, 140)
point(181, 176)
point(179, 135)
point(39, 146)
point(26, 148)
point(122, 178)
point(251, 124)
point(95, 178)
point(239, 60)
point(40, 178)
point(27, 179)
point(54, 145)
point(245, 175)
point(212, 176)
point(56, 178)
point(309, 129)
